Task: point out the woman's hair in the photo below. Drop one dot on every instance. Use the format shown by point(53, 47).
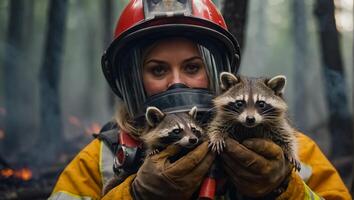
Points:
point(125, 122)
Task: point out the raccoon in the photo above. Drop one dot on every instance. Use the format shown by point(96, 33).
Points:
point(250, 108)
point(165, 129)
point(175, 128)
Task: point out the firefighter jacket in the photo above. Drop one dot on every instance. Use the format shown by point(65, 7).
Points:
point(90, 170)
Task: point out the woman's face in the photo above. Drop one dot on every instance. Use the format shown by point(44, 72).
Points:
point(173, 61)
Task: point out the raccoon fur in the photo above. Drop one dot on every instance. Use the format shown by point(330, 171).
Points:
point(252, 108)
point(162, 130)
point(175, 128)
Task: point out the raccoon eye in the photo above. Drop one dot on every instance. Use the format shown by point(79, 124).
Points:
point(239, 103)
point(196, 132)
point(177, 131)
point(261, 104)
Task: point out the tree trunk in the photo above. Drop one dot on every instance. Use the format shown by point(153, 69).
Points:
point(235, 15)
point(336, 96)
point(300, 61)
point(50, 114)
point(19, 100)
point(108, 37)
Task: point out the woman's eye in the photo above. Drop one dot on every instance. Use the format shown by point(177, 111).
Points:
point(158, 70)
point(192, 68)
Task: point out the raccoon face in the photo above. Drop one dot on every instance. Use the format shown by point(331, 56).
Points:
point(176, 128)
point(251, 101)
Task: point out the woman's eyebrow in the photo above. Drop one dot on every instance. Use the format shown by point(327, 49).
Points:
point(154, 60)
point(193, 58)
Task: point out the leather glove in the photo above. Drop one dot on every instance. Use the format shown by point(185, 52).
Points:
point(257, 167)
point(158, 178)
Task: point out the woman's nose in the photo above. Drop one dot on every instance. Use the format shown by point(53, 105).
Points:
point(175, 78)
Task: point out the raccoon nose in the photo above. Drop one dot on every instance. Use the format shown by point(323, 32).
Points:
point(250, 120)
point(193, 140)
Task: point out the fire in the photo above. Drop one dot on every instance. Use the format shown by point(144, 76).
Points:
point(94, 127)
point(7, 172)
point(23, 173)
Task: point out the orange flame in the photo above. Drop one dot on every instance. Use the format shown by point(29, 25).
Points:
point(7, 172)
point(24, 173)
point(93, 128)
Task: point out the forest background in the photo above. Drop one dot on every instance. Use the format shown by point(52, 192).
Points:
point(53, 95)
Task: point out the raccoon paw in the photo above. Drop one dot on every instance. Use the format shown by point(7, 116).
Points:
point(155, 151)
point(297, 164)
point(217, 145)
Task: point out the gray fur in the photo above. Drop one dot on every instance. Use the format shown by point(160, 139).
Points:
point(154, 135)
point(253, 107)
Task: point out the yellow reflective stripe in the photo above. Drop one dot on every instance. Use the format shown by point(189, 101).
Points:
point(106, 163)
point(63, 195)
point(310, 195)
point(100, 163)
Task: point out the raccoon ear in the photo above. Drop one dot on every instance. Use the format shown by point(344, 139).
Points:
point(193, 112)
point(228, 80)
point(154, 116)
point(277, 84)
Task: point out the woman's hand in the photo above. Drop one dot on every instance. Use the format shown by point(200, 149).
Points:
point(158, 178)
point(256, 167)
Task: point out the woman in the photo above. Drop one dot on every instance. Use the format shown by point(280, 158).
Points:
point(169, 54)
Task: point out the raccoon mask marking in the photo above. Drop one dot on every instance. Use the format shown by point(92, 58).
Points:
point(249, 108)
point(175, 128)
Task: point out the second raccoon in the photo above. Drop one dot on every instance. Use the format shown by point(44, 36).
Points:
point(252, 108)
point(175, 128)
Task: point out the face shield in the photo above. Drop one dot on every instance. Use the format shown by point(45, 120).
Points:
point(177, 98)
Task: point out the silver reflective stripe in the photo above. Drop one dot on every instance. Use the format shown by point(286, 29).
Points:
point(67, 196)
point(106, 163)
point(305, 172)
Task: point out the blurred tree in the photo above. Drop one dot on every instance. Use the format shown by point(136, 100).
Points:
point(300, 61)
point(108, 24)
point(18, 95)
point(339, 121)
point(50, 112)
point(235, 14)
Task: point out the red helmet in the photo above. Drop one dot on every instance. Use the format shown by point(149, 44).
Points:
point(150, 20)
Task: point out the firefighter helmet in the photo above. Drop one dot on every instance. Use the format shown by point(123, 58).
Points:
point(145, 21)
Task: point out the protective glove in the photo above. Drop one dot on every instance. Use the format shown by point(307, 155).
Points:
point(256, 167)
point(159, 178)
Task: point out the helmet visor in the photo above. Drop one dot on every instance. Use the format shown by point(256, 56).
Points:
point(129, 78)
